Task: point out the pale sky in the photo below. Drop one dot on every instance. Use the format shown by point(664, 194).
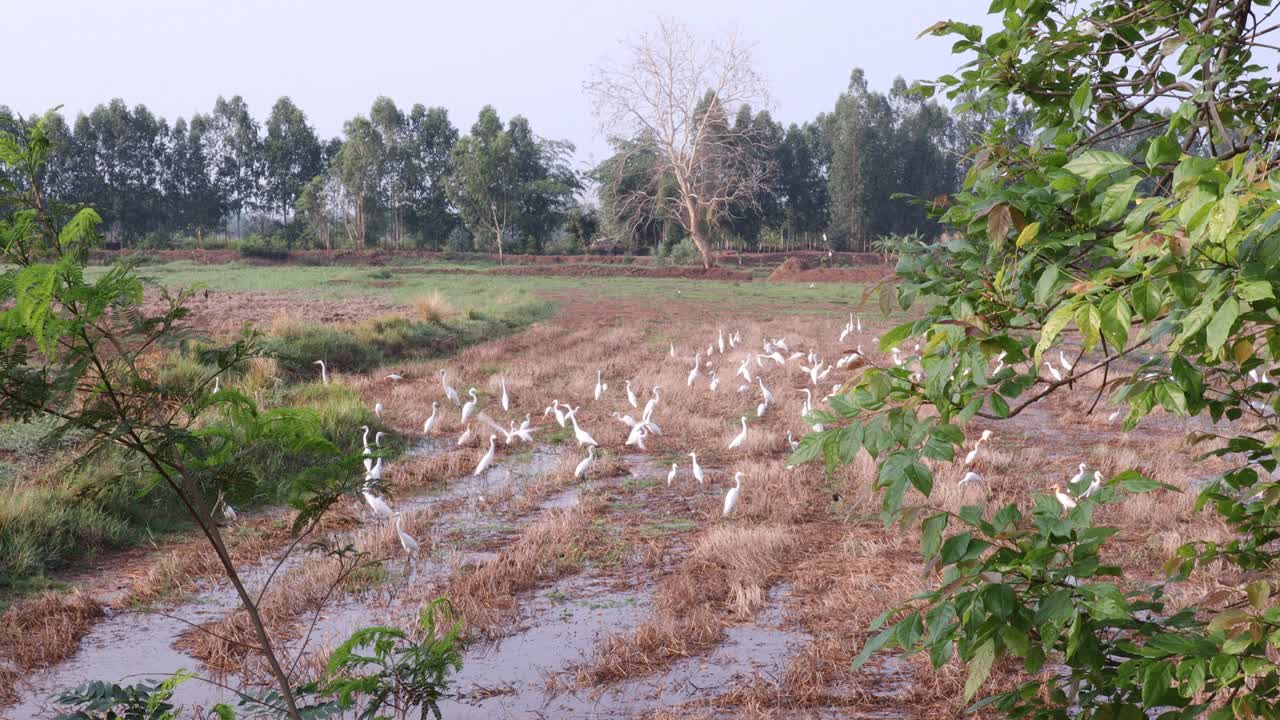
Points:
point(333, 58)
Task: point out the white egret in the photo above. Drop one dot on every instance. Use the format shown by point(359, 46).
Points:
point(465, 437)
point(601, 385)
point(673, 350)
point(430, 423)
point(720, 341)
point(696, 371)
point(1053, 372)
point(740, 437)
point(1094, 486)
point(653, 402)
point(582, 467)
point(217, 384)
point(470, 407)
point(761, 408)
point(711, 350)
point(672, 475)
point(380, 508)
point(764, 391)
point(377, 409)
point(631, 396)
point(487, 460)
point(1067, 365)
point(555, 407)
point(395, 377)
point(731, 497)
point(715, 381)
point(636, 436)
point(745, 369)
point(324, 372)
point(743, 388)
point(449, 392)
point(1112, 417)
point(696, 469)
point(1078, 476)
point(228, 512)
point(406, 540)
point(506, 399)
point(374, 474)
point(625, 419)
point(859, 323)
point(583, 437)
point(1065, 500)
point(970, 477)
point(794, 444)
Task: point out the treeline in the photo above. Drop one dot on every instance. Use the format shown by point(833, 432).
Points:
point(409, 178)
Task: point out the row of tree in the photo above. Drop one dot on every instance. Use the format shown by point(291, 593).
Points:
point(393, 177)
point(410, 178)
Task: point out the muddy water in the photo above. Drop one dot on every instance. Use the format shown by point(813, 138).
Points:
point(511, 680)
point(131, 646)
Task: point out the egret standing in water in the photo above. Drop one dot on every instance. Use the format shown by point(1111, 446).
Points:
point(406, 540)
point(487, 460)
point(731, 497)
point(586, 462)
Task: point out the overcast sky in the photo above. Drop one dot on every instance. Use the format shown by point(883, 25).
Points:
point(333, 58)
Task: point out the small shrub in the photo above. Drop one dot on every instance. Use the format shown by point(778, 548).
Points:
point(256, 246)
point(685, 253)
point(433, 307)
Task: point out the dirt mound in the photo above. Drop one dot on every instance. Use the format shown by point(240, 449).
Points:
point(789, 270)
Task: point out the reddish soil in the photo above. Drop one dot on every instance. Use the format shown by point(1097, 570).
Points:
point(797, 270)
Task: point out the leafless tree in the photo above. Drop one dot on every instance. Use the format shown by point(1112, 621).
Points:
point(669, 101)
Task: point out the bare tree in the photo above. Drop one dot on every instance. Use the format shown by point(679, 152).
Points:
point(667, 106)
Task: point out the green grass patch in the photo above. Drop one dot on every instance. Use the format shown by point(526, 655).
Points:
point(668, 526)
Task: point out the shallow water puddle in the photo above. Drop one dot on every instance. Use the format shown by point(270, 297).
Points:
point(132, 646)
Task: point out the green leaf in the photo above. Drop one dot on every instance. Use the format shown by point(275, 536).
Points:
point(1116, 199)
point(1147, 300)
point(1220, 326)
point(1082, 98)
point(931, 534)
point(1163, 149)
point(1045, 286)
point(1116, 317)
point(979, 668)
point(1052, 327)
point(873, 645)
point(1255, 290)
point(1157, 681)
point(894, 337)
point(1095, 163)
point(1000, 599)
point(810, 448)
point(33, 291)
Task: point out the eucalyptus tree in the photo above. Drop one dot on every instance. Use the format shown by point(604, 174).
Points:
point(1159, 269)
point(291, 157)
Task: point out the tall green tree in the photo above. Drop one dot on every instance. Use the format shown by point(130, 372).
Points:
point(357, 168)
point(508, 184)
point(431, 137)
point(233, 148)
point(291, 157)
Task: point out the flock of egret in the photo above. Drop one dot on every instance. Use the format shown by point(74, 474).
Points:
point(774, 353)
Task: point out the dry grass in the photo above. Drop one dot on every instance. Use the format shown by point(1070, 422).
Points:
point(485, 595)
point(433, 307)
point(45, 629)
point(724, 579)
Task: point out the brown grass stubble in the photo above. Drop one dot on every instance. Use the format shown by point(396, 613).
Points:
point(1026, 457)
point(41, 631)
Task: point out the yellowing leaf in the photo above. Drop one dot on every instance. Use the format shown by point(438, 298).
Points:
point(998, 222)
point(1028, 234)
point(979, 669)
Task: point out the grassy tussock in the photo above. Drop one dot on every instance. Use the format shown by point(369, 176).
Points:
point(45, 629)
point(433, 307)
